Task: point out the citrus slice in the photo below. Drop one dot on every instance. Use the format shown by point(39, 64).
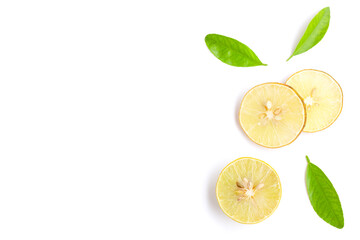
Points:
point(248, 190)
point(322, 96)
point(272, 115)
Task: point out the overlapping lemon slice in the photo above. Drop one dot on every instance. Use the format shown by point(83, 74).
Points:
point(322, 96)
point(272, 114)
point(248, 190)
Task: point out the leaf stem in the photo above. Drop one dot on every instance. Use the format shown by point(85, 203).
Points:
point(307, 159)
point(289, 57)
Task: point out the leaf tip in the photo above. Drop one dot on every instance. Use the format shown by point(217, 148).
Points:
point(307, 159)
point(339, 225)
point(289, 58)
point(206, 37)
point(325, 10)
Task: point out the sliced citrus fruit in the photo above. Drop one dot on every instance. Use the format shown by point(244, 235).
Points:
point(272, 114)
point(322, 96)
point(248, 190)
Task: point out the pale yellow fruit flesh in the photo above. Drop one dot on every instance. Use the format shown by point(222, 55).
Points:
point(272, 115)
point(322, 96)
point(262, 192)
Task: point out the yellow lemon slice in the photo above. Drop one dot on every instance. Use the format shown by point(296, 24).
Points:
point(272, 115)
point(322, 96)
point(248, 190)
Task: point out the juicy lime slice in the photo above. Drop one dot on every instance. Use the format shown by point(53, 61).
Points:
point(272, 115)
point(248, 190)
point(322, 96)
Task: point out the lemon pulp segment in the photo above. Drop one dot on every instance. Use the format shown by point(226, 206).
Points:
point(322, 96)
point(248, 190)
point(272, 114)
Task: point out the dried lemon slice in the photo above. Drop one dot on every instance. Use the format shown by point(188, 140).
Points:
point(322, 96)
point(272, 115)
point(248, 190)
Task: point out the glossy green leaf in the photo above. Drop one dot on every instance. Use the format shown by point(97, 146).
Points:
point(323, 196)
point(231, 51)
point(314, 33)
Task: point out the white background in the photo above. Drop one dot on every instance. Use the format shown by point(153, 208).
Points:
point(115, 119)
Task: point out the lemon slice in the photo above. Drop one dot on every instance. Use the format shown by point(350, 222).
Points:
point(248, 190)
point(322, 96)
point(272, 115)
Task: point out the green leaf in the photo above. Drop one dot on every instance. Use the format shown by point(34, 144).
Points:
point(231, 51)
point(323, 196)
point(314, 33)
